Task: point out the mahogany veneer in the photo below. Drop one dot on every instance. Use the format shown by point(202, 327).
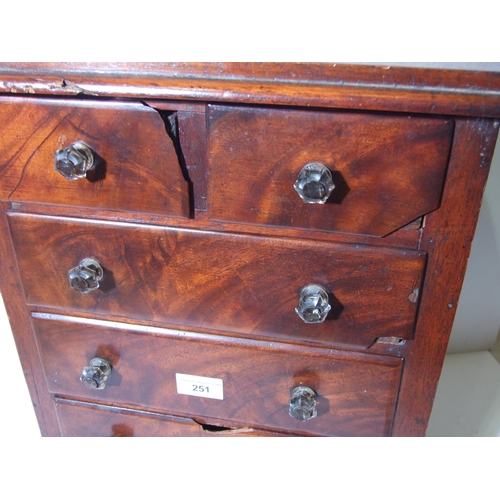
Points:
point(78, 419)
point(238, 284)
point(137, 165)
point(387, 170)
point(207, 249)
point(357, 393)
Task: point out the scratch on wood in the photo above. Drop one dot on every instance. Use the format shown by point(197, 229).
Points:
point(78, 90)
point(391, 340)
point(42, 86)
point(413, 297)
point(27, 162)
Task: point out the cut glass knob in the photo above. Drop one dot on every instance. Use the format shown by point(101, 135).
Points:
point(302, 405)
point(313, 304)
point(95, 375)
point(314, 183)
point(85, 277)
point(75, 161)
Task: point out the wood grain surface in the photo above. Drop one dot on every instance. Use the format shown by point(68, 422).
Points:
point(407, 237)
point(79, 419)
point(447, 236)
point(238, 284)
point(387, 170)
point(193, 140)
point(354, 398)
point(333, 85)
point(206, 245)
point(137, 167)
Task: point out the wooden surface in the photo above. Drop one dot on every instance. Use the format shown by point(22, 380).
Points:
point(237, 284)
point(387, 170)
point(230, 286)
point(193, 140)
point(407, 237)
point(138, 169)
point(354, 398)
point(447, 239)
point(93, 420)
point(342, 86)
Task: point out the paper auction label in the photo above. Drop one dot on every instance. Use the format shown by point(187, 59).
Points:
point(203, 387)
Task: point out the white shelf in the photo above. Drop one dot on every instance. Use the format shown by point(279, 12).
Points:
point(467, 401)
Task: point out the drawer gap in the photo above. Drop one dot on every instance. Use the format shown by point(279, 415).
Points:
point(170, 120)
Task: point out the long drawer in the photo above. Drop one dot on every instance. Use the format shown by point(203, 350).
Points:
point(77, 419)
point(248, 382)
point(233, 283)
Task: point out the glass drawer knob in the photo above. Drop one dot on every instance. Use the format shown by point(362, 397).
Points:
point(302, 405)
point(85, 277)
point(314, 183)
point(74, 161)
point(95, 375)
point(313, 304)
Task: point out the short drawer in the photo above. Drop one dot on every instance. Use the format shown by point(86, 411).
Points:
point(77, 419)
point(136, 167)
point(234, 283)
point(355, 395)
point(387, 170)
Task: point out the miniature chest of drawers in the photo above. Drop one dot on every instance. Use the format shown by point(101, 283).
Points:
point(238, 249)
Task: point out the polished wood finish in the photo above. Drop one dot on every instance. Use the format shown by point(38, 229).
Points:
point(194, 149)
point(387, 170)
point(341, 86)
point(78, 419)
point(447, 239)
point(239, 284)
point(355, 398)
point(133, 149)
point(407, 237)
point(189, 292)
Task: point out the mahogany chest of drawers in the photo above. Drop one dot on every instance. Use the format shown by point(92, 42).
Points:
point(237, 249)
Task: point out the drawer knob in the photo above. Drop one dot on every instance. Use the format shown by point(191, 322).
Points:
point(75, 161)
point(302, 406)
point(85, 276)
point(95, 375)
point(313, 304)
point(314, 183)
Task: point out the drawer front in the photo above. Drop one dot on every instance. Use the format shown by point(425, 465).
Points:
point(233, 283)
point(77, 419)
point(132, 152)
point(356, 394)
point(387, 170)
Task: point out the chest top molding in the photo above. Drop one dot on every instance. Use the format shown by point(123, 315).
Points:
point(387, 87)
